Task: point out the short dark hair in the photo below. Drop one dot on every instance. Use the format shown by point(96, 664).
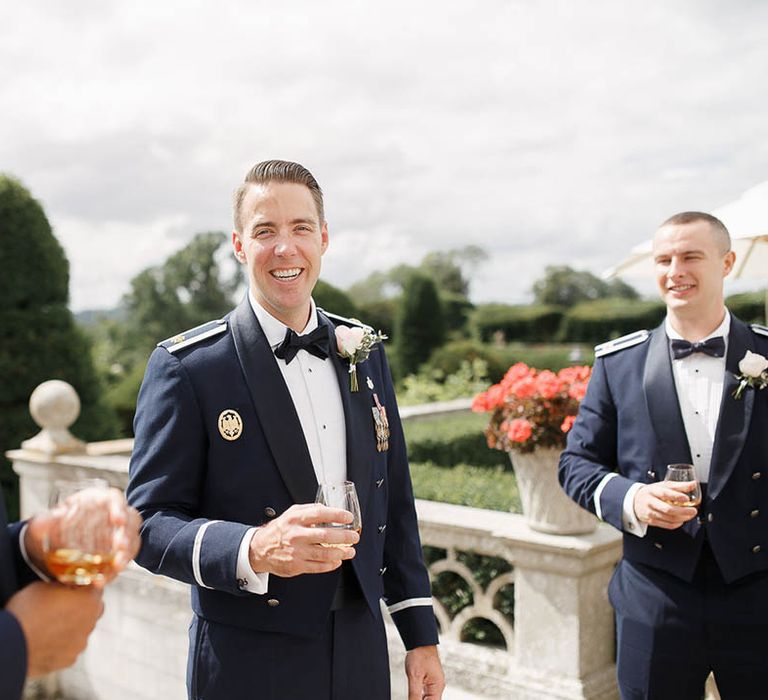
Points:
point(278, 171)
point(718, 227)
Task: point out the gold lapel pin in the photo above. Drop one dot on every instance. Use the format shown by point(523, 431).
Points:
point(230, 424)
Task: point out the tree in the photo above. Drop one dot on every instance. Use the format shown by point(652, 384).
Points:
point(449, 269)
point(564, 286)
point(334, 300)
point(420, 326)
point(39, 339)
point(191, 287)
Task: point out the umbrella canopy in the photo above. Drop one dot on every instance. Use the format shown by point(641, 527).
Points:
point(746, 219)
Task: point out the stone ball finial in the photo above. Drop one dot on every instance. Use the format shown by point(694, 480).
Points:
point(54, 405)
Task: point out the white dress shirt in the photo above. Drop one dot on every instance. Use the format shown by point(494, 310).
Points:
point(699, 380)
point(314, 389)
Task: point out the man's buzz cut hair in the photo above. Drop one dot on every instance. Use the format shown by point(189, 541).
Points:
point(719, 231)
point(278, 171)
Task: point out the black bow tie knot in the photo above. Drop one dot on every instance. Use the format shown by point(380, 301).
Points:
point(315, 342)
point(711, 346)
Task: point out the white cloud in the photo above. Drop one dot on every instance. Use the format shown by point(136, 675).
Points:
point(546, 132)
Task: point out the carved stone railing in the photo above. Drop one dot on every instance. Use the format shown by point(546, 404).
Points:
point(539, 605)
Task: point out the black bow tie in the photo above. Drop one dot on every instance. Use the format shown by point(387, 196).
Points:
point(712, 346)
point(315, 342)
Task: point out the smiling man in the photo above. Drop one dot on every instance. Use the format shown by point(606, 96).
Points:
point(237, 423)
point(691, 592)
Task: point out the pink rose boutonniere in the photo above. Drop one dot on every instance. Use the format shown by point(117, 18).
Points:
point(754, 373)
point(355, 344)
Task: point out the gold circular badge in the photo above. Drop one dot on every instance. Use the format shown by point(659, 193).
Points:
point(230, 424)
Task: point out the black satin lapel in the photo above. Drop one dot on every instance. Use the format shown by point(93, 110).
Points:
point(663, 405)
point(358, 420)
point(735, 414)
point(274, 405)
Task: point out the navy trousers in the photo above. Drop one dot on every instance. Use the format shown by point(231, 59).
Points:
point(671, 633)
point(348, 662)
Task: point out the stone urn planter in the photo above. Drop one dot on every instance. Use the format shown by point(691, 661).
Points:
point(545, 505)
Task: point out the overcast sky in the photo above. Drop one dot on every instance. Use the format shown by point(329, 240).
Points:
point(546, 132)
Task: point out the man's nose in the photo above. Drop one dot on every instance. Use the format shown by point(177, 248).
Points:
point(675, 268)
point(285, 245)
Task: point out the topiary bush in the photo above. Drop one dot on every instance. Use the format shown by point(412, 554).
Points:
point(39, 339)
point(420, 326)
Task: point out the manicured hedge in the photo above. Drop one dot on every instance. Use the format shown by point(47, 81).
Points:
point(530, 323)
point(597, 321)
point(451, 440)
point(466, 485)
point(749, 307)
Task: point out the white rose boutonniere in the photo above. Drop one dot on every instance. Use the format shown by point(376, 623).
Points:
point(754, 373)
point(355, 344)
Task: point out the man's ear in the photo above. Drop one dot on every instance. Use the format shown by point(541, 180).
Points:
point(237, 247)
point(324, 240)
point(728, 262)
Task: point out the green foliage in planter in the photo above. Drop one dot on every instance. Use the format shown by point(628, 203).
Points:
point(479, 487)
point(596, 321)
point(529, 323)
point(450, 440)
point(749, 307)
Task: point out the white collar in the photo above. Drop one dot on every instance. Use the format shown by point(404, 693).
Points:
point(275, 329)
point(722, 330)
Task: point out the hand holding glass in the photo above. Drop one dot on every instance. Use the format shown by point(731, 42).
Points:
point(79, 542)
point(685, 473)
point(341, 495)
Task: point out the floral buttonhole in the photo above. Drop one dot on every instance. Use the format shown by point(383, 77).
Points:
point(753, 373)
point(355, 344)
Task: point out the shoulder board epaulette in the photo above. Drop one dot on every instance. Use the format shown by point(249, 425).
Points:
point(626, 341)
point(193, 335)
point(344, 320)
point(757, 328)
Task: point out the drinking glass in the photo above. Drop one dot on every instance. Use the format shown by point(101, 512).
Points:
point(685, 472)
point(341, 495)
point(78, 546)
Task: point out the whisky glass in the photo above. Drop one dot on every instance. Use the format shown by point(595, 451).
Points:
point(341, 495)
point(78, 545)
point(683, 473)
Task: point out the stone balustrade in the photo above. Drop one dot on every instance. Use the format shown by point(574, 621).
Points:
point(540, 606)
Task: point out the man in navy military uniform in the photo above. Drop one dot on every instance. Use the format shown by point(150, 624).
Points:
point(43, 625)
point(691, 592)
point(237, 423)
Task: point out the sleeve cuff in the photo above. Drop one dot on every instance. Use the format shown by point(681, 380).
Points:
point(629, 517)
point(26, 557)
point(416, 623)
point(247, 579)
point(598, 492)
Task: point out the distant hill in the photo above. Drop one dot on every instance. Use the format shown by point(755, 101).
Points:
point(90, 317)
